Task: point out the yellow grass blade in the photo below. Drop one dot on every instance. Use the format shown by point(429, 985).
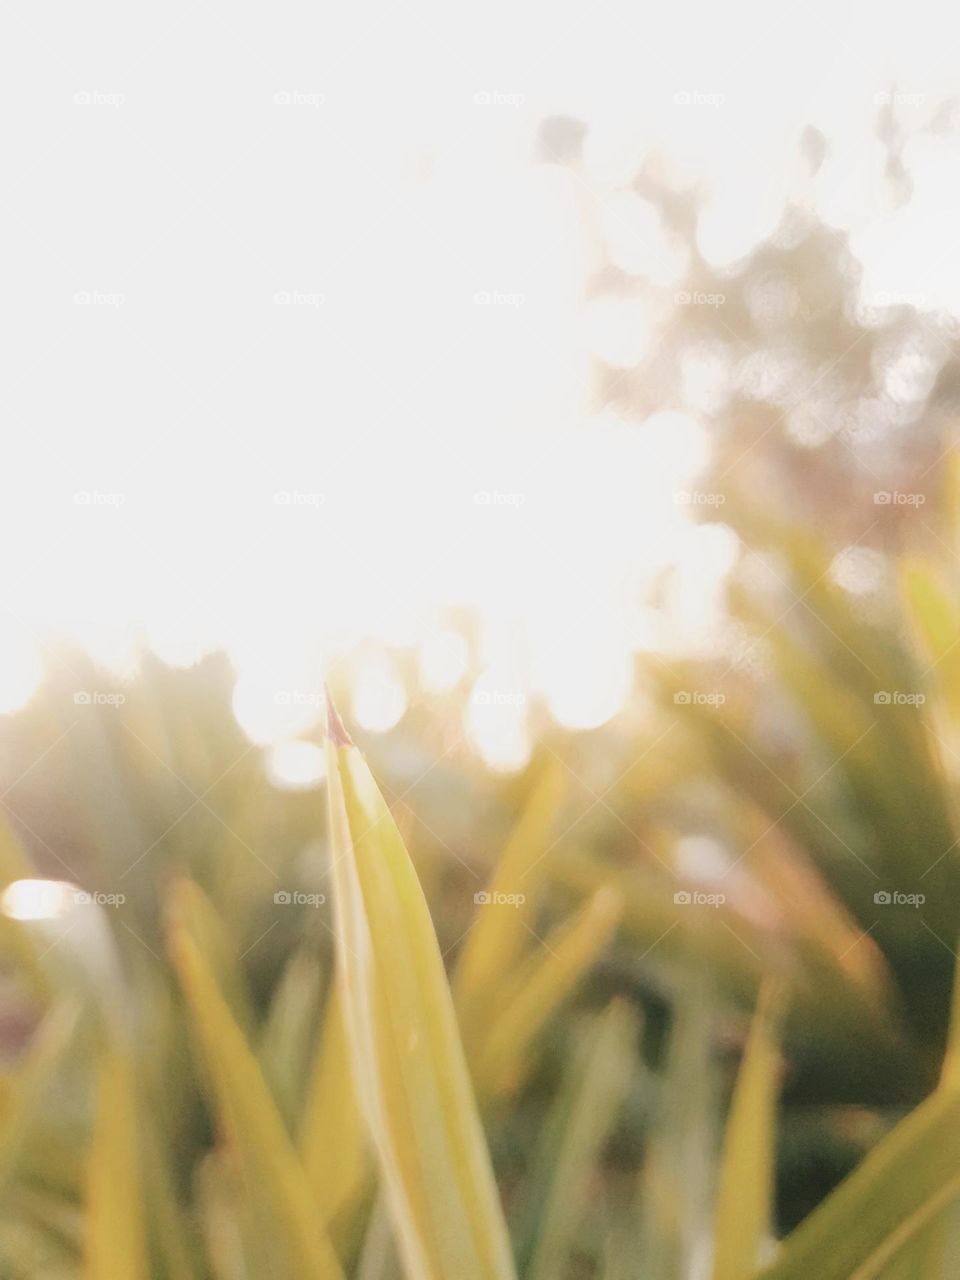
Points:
point(676, 1178)
point(408, 1061)
point(745, 1192)
point(585, 1113)
point(950, 1072)
point(272, 1173)
point(219, 1200)
point(924, 1254)
point(541, 986)
point(501, 932)
point(24, 1094)
point(204, 923)
point(115, 1243)
point(332, 1123)
point(896, 1191)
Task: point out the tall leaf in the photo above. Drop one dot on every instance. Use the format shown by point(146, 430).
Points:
point(407, 1057)
point(540, 988)
point(115, 1233)
point(272, 1172)
point(575, 1134)
point(745, 1190)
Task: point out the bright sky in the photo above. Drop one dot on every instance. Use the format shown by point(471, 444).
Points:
point(298, 344)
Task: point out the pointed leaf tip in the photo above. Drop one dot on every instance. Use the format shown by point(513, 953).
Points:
point(335, 730)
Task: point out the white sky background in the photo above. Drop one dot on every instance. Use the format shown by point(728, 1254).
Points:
point(383, 398)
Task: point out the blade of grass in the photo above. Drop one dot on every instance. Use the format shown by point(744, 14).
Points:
point(500, 935)
point(205, 924)
point(27, 1092)
point(331, 1122)
point(285, 1043)
point(218, 1198)
point(745, 1191)
point(675, 1182)
point(899, 1187)
point(407, 1057)
point(541, 987)
point(925, 1254)
point(576, 1132)
point(115, 1242)
point(272, 1172)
